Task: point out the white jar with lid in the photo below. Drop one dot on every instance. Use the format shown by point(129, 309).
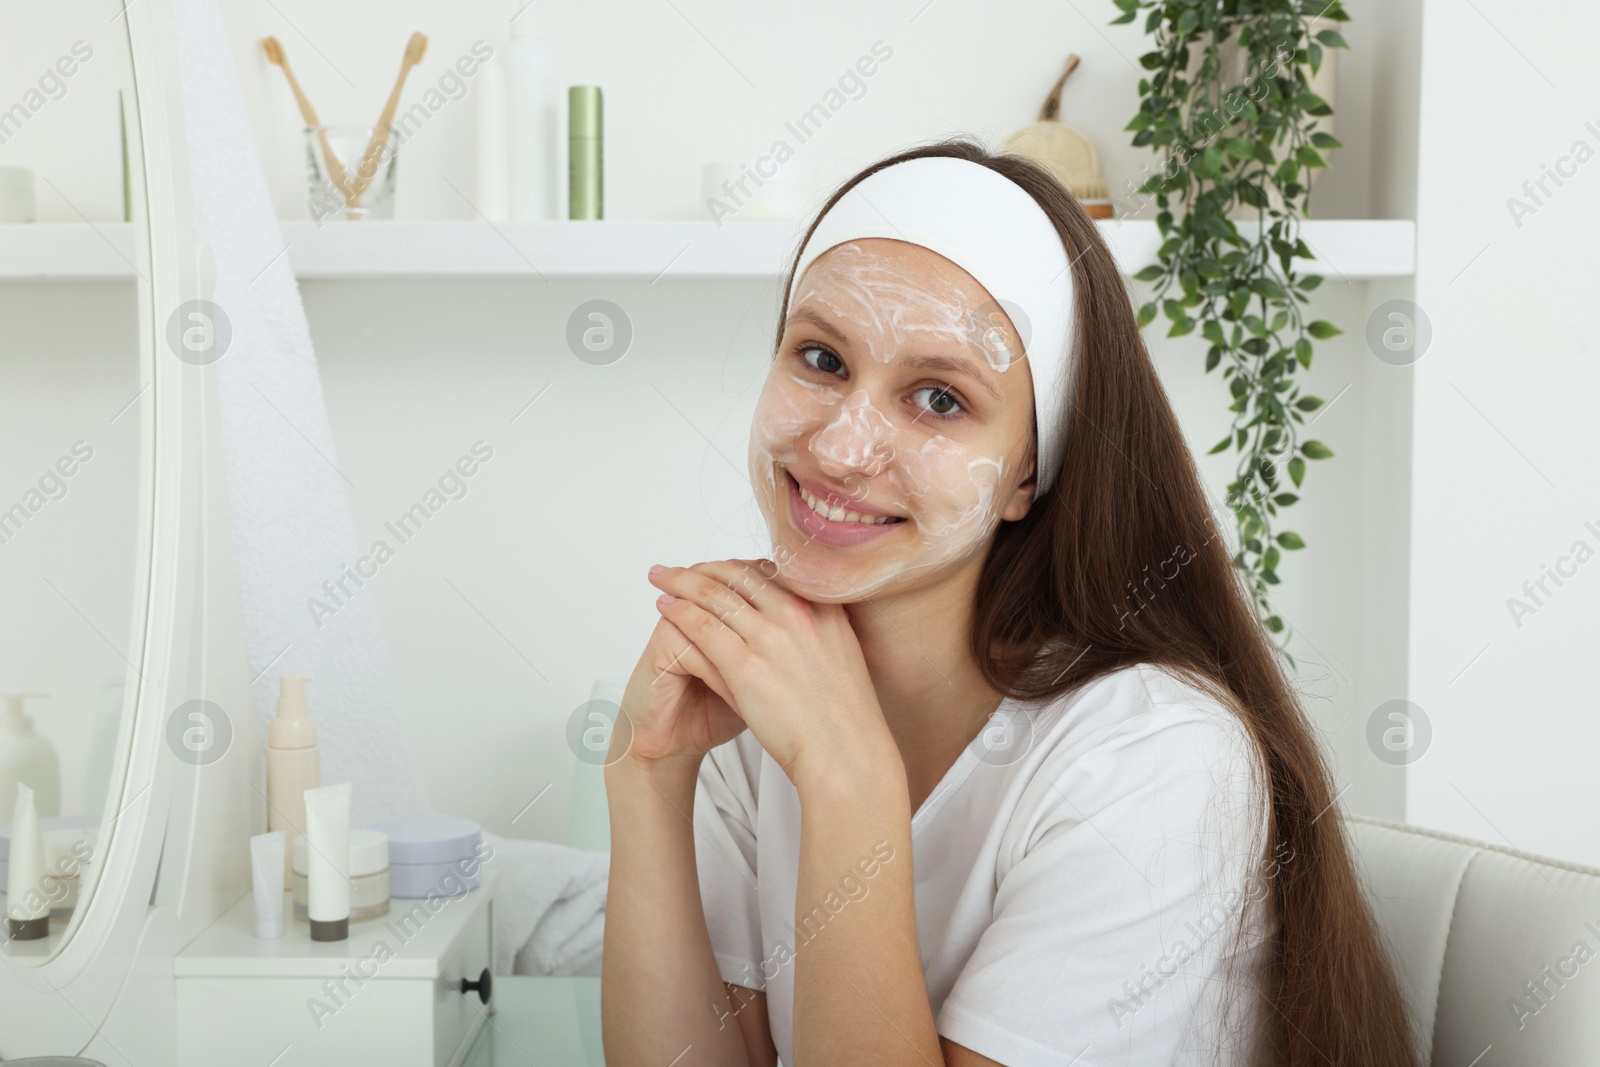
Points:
point(369, 876)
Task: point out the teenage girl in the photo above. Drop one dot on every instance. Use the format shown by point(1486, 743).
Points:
point(990, 762)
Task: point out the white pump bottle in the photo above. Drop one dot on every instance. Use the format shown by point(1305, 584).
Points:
point(28, 757)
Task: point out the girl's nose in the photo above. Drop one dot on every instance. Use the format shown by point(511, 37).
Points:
point(857, 441)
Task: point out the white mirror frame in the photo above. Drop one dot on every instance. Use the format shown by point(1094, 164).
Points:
point(109, 992)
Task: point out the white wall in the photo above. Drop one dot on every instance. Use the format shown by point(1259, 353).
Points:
point(1503, 473)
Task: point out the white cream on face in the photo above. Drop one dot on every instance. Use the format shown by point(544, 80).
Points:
point(862, 434)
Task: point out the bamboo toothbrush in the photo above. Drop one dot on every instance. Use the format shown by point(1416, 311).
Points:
point(415, 47)
point(275, 56)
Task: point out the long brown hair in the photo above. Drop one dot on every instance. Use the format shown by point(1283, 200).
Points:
point(1054, 612)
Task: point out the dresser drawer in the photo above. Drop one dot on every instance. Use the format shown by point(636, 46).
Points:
point(390, 993)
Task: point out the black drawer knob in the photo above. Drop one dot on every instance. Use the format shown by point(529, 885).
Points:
point(484, 985)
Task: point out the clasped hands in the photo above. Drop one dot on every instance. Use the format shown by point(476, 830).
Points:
point(736, 648)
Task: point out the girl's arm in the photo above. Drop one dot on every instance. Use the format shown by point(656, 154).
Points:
point(662, 995)
point(860, 995)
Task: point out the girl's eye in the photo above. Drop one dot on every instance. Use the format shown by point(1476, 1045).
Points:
point(936, 404)
point(942, 404)
point(834, 367)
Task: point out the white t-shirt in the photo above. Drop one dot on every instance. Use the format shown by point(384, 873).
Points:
point(1080, 873)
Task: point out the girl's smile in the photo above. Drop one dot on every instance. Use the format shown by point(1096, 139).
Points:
point(846, 523)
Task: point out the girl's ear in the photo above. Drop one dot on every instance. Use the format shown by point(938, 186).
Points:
point(1021, 500)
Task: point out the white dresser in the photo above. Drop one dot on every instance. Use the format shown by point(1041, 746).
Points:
point(391, 993)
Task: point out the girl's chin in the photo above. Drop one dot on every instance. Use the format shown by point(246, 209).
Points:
point(823, 575)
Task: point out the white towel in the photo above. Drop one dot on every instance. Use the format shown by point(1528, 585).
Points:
point(550, 910)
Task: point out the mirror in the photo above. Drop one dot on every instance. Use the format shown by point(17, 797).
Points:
point(75, 437)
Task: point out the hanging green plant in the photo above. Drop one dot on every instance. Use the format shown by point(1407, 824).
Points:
point(1237, 139)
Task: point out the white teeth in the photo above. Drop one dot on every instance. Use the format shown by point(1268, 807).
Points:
point(838, 514)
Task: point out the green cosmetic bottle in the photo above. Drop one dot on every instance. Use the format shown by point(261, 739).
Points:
point(585, 159)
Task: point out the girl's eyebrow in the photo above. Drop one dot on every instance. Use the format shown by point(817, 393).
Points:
point(954, 365)
point(818, 320)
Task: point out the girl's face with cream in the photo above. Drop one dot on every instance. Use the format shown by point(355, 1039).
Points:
point(899, 392)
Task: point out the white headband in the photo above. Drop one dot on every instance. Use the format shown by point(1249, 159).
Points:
point(994, 230)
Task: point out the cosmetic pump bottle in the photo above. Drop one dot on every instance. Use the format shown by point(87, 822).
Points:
point(292, 765)
point(28, 757)
point(531, 120)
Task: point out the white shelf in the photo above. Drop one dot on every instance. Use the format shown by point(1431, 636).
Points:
point(1353, 249)
point(77, 250)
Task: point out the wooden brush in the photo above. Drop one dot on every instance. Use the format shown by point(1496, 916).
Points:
point(415, 47)
point(274, 50)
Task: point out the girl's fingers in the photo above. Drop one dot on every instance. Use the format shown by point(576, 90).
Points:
point(686, 658)
point(756, 580)
point(715, 598)
point(721, 646)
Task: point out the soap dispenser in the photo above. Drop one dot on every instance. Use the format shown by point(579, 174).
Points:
point(292, 765)
point(28, 757)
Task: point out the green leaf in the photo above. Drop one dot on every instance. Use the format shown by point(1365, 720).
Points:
point(1302, 352)
point(1308, 403)
point(1326, 140)
point(1188, 22)
point(1240, 148)
point(1309, 102)
point(1310, 282)
point(1315, 450)
point(1283, 500)
point(1273, 623)
point(1147, 315)
point(1221, 446)
point(1213, 357)
point(1150, 273)
point(1323, 330)
point(1332, 39)
point(1290, 540)
point(1297, 471)
point(1310, 157)
point(1184, 325)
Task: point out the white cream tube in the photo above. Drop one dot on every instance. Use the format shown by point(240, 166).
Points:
point(27, 906)
point(328, 861)
point(266, 882)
